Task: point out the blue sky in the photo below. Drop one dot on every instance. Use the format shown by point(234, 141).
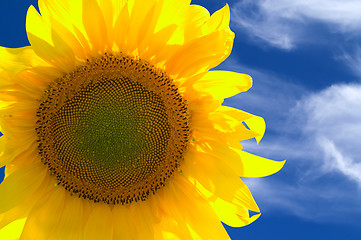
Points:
point(305, 60)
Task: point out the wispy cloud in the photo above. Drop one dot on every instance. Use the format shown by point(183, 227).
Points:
point(352, 59)
point(333, 119)
point(307, 201)
point(284, 23)
point(335, 160)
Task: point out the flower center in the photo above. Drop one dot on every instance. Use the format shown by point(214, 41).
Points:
point(114, 130)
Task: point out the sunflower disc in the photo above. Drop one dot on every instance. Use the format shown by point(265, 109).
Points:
point(114, 130)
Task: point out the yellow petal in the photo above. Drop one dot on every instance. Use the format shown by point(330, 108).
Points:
point(222, 84)
point(243, 197)
point(121, 216)
point(19, 185)
point(172, 13)
point(71, 222)
point(99, 224)
point(37, 30)
point(117, 7)
point(142, 214)
point(94, 24)
point(16, 60)
point(12, 215)
point(197, 23)
point(45, 216)
point(41, 40)
point(197, 213)
point(219, 20)
point(22, 210)
point(231, 214)
point(108, 9)
point(13, 230)
point(158, 49)
point(147, 37)
point(14, 157)
point(138, 18)
point(63, 49)
point(28, 83)
point(219, 125)
point(167, 229)
point(36, 25)
point(121, 28)
point(69, 38)
point(195, 57)
point(254, 123)
point(255, 166)
point(196, 16)
point(234, 213)
point(65, 14)
point(211, 172)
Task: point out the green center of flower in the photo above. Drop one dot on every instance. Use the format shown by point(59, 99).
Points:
point(114, 130)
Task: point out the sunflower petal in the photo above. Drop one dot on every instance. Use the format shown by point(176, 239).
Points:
point(223, 84)
point(231, 214)
point(12, 215)
point(43, 218)
point(121, 217)
point(196, 16)
point(219, 20)
point(198, 214)
point(137, 16)
point(255, 166)
point(254, 123)
point(13, 230)
point(94, 24)
point(19, 185)
point(210, 171)
point(235, 212)
point(121, 27)
point(142, 214)
point(65, 18)
point(41, 40)
point(68, 37)
point(72, 218)
point(172, 13)
point(147, 29)
point(108, 9)
point(158, 45)
point(194, 57)
point(15, 60)
point(99, 224)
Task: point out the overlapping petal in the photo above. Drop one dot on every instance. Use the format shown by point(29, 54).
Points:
point(20, 185)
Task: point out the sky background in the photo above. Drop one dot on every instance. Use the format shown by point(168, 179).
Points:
point(305, 60)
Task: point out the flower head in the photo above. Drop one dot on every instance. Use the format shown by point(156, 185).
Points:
point(114, 126)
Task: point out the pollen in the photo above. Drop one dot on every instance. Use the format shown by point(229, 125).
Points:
point(114, 130)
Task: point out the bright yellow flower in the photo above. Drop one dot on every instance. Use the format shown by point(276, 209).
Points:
point(114, 129)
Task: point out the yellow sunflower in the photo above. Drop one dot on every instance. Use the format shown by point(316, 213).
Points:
point(113, 125)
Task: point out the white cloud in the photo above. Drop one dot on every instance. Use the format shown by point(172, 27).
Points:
point(262, 25)
point(283, 23)
point(307, 201)
point(352, 59)
point(333, 119)
point(335, 160)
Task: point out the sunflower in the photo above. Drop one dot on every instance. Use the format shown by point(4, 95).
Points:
point(113, 124)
